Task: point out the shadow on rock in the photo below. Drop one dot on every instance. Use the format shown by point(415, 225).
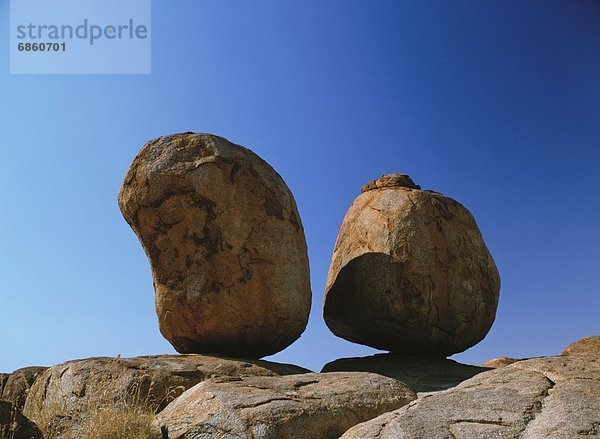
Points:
point(422, 374)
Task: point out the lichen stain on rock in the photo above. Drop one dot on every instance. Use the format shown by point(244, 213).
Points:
point(410, 272)
point(225, 242)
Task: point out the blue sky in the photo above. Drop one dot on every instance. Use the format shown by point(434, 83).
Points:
point(495, 104)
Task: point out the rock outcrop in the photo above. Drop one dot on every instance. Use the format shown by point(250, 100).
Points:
point(13, 425)
point(64, 396)
point(3, 379)
point(295, 407)
point(550, 397)
point(420, 374)
point(18, 383)
point(495, 363)
point(225, 242)
point(410, 273)
point(585, 346)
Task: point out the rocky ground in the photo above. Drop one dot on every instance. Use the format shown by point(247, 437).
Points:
point(549, 397)
point(384, 396)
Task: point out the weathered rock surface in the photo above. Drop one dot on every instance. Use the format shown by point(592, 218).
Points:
point(586, 345)
point(18, 383)
point(410, 273)
point(13, 425)
point(226, 244)
point(495, 363)
point(551, 398)
point(3, 379)
point(418, 373)
point(305, 406)
point(66, 394)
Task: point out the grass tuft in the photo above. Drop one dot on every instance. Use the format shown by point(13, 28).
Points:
point(123, 423)
point(108, 413)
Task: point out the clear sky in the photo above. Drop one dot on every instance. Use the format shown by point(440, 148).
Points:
point(495, 104)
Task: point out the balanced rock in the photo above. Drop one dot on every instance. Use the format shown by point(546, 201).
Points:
point(66, 395)
point(18, 384)
point(13, 425)
point(294, 407)
point(410, 273)
point(418, 373)
point(548, 397)
point(225, 242)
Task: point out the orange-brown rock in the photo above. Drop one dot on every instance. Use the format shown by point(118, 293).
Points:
point(498, 362)
point(420, 374)
point(547, 397)
point(3, 378)
point(226, 244)
point(17, 385)
point(65, 396)
point(410, 272)
point(585, 346)
point(13, 425)
point(313, 405)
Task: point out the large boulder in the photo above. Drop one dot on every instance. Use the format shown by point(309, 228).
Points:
point(225, 242)
point(16, 387)
point(306, 406)
point(13, 425)
point(64, 396)
point(420, 374)
point(584, 346)
point(551, 397)
point(410, 273)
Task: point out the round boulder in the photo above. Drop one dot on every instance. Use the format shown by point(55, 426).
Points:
point(410, 272)
point(225, 242)
point(586, 346)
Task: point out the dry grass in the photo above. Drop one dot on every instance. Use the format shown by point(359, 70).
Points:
point(108, 416)
point(123, 423)
point(48, 419)
point(119, 421)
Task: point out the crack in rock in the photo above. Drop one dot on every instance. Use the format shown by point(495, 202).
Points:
point(592, 431)
point(268, 401)
point(499, 422)
point(537, 407)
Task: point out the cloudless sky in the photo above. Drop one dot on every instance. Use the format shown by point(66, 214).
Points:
point(495, 104)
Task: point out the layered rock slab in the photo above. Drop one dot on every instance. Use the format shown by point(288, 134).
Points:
point(552, 398)
point(305, 406)
point(64, 396)
point(418, 373)
point(410, 273)
point(224, 238)
point(13, 425)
